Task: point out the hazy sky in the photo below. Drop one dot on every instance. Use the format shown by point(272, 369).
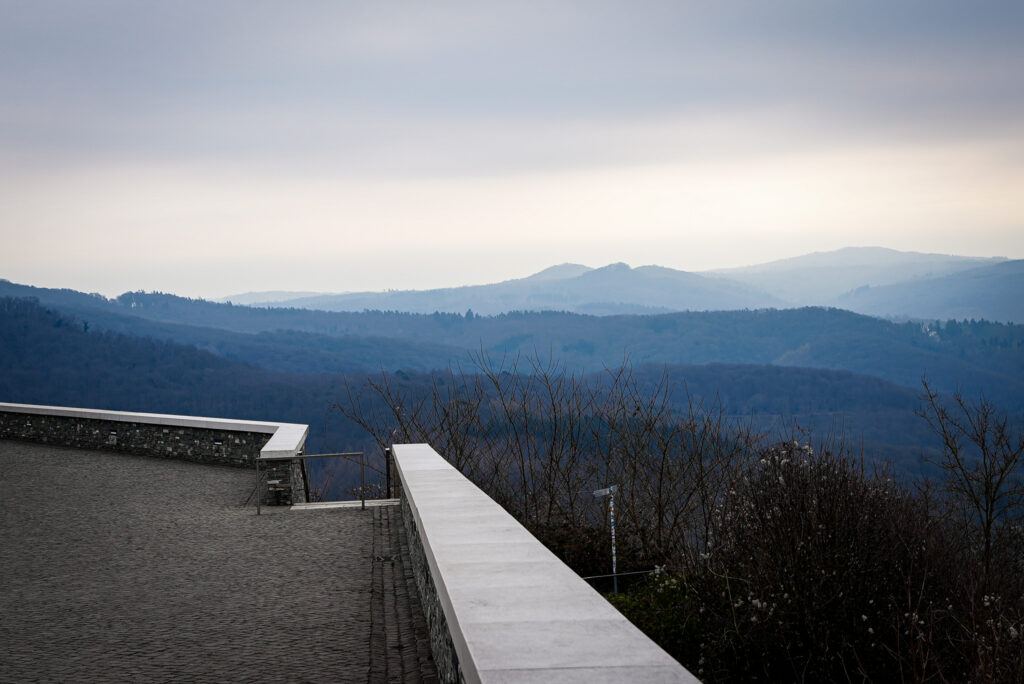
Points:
point(209, 148)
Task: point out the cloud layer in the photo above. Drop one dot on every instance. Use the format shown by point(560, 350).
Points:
point(454, 132)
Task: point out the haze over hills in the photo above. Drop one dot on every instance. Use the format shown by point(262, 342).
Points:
point(265, 297)
point(819, 279)
point(815, 366)
point(995, 292)
point(978, 356)
point(47, 357)
point(613, 289)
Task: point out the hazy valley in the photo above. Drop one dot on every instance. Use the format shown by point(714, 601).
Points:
point(820, 368)
point(871, 280)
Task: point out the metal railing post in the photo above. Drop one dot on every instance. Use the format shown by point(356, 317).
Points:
point(258, 493)
point(362, 481)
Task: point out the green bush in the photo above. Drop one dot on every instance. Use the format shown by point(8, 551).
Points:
point(665, 608)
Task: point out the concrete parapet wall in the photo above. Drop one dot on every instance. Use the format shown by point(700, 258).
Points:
point(445, 657)
point(500, 606)
point(204, 440)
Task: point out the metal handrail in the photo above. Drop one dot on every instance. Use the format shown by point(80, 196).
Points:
point(348, 455)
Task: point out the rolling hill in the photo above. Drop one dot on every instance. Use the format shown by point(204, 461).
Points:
point(853, 278)
point(993, 292)
point(613, 289)
point(51, 358)
point(818, 279)
point(977, 357)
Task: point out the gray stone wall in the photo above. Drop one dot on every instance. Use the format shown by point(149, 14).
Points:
point(219, 447)
point(441, 646)
point(285, 483)
point(300, 485)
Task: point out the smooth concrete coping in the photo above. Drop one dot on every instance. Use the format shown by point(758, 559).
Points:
point(286, 441)
point(515, 612)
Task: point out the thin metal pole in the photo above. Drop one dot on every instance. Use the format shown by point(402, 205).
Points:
point(362, 480)
point(615, 568)
point(387, 471)
point(258, 485)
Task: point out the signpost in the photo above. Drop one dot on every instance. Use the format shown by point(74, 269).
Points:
point(610, 493)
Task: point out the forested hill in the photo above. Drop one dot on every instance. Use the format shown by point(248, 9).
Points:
point(975, 356)
point(274, 349)
point(612, 289)
point(51, 358)
point(996, 289)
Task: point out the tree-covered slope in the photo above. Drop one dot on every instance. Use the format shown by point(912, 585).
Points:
point(615, 288)
point(994, 292)
point(818, 278)
point(974, 356)
point(50, 358)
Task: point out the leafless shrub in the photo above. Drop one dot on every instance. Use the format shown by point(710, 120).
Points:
point(540, 439)
point(984, 464)
point(788, 562)
point(820, 571)
point(983, 506)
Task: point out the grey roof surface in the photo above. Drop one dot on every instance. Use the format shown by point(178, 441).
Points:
point(128, 568)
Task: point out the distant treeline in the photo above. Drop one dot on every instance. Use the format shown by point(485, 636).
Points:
point(53, 358)
point(976, 356)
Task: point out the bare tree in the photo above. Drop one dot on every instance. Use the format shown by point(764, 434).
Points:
point(983, 459)
point(539, 438)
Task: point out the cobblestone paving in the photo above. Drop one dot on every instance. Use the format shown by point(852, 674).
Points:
point(399, 637)
point(125, 568)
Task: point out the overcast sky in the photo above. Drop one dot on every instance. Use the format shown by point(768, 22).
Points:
point(211, 148)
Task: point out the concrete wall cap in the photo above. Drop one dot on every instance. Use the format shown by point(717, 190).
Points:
point(515, 612)
point(286, 441)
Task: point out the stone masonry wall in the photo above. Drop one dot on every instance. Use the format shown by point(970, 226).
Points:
point(299, 482)
point(220, 447)
point(441, 646)
point(286, 483)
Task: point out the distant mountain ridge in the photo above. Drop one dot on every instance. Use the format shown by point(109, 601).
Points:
point(993, 292)
point(973, 356)
point(49, 357)
point(818, 279)
point(265, 297)
point(560, 272)
point(613, 289)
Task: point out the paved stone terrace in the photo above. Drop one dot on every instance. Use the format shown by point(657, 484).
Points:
point(399, 636)
point(128, 568)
